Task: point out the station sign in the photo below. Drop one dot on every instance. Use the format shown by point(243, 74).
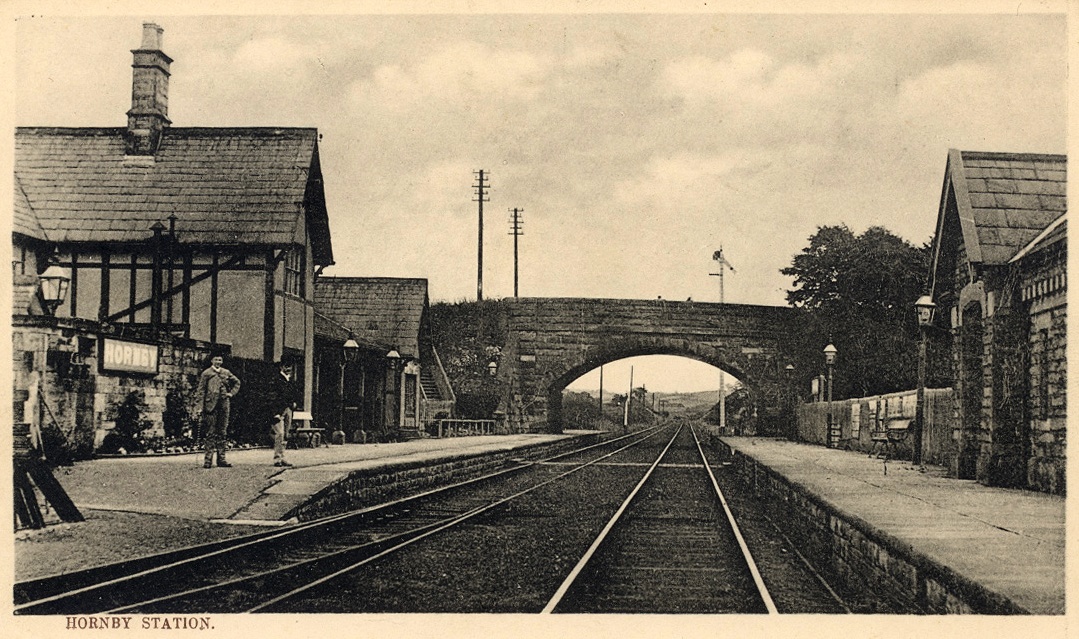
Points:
point(128, 357)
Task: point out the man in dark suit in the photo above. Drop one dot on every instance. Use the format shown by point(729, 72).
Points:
point(283, 400)
point(216, 387)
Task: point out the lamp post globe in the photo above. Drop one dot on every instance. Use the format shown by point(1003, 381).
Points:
point(350, 349)
point(830, 353)
point(925, 307)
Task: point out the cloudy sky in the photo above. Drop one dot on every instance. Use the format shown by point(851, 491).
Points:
point(637, 144)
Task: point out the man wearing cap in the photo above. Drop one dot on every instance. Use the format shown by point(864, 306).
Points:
point(283, 400)
point(216, 387)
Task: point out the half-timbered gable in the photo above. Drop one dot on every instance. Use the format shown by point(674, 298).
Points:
point(213, 237)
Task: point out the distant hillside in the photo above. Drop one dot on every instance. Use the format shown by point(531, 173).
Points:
point(700, 401)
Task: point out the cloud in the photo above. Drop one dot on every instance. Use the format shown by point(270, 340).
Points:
point(459, 73)
point(961, 105)
point(273, 55)
point(752, 78)
point(589, 55)
point(698, 180)
point(751, 97)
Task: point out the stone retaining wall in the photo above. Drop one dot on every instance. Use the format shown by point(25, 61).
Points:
point(378, 485)
point(862, 563)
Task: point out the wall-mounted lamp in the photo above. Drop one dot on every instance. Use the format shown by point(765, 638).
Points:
point(492, 368)
point(54, 285)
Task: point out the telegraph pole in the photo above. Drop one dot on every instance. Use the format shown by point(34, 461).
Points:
point(481, 185)
point(601, 393)
point(722, 264)
point(516, 230)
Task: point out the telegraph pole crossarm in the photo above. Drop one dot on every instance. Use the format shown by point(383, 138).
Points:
point(481, 187)
point(516, 230)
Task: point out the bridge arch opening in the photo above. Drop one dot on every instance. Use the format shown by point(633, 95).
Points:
point(663, 384)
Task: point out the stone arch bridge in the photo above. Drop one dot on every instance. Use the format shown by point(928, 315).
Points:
point(552, 341)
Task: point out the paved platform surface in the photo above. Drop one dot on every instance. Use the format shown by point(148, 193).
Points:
point(141, 505)
point(1009, 541)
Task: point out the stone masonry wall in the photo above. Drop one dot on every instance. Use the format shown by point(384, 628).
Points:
point(1046, 289)
point(179, 366)
point(59, 365)
point(872, 570)
point(552, 341)
point(375, 486)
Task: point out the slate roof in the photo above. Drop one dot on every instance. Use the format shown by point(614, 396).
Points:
point(25, 222)
point(384, 310)
point(225, 185)
point(335, 331)
point(1005, 200)
point(1055, 232)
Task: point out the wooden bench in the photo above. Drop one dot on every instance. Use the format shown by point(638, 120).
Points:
point(306, 437)
point(302, 434)
point(887, 442)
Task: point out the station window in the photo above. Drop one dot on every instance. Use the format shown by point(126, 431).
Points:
point(19, 261)
point(294, 279)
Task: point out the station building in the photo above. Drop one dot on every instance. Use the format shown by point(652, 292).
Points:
point(999, 282)
point(392, 384)
point(178, 242)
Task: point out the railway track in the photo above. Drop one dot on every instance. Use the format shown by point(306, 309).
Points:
point(251, 572)
point(535, 537)
point(672, 547)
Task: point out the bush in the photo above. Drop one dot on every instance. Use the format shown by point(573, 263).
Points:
point(176, 418)
point(127, 434)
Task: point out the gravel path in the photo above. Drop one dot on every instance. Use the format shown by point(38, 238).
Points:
point(110, 536)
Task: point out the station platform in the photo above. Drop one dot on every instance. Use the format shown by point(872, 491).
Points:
point(141, 505)
point(1011, 542)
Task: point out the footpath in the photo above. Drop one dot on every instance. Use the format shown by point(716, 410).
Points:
point(1011, 542)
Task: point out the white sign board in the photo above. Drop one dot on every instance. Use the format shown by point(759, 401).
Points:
point(130, 357)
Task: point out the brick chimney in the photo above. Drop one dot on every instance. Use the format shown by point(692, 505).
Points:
point(148, 116)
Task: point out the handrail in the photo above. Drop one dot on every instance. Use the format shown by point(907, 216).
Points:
point(462, 427)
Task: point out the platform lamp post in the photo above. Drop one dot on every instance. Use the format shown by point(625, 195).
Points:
point(350, 350)
point(925, 307)
point(830, 353)
point(393, 359)
point(792, 429)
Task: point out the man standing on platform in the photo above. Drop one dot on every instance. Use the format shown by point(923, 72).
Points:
point(283, 400)
point(216, 387)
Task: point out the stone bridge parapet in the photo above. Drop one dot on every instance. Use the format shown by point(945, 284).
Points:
point(552, 341)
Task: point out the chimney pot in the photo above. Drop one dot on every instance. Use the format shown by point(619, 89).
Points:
point(151, 36)
point(149, 114)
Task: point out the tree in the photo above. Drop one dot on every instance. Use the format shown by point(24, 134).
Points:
point(858, 292)
point(470, 336)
